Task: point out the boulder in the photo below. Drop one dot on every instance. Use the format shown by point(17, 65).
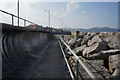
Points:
point(110, 52)
point(72, 41)
point(93, 49)
point(67, 40)
point(113, 42)
point(78, 50)
point(116, 74)
point(118, 33)
point(104, 54)
point(81, 34)
point(79, 39)
point(101, 34)
point(113, 62)
point(78, 42)
point(95, 39)
point(93, 33)
point(88, 33)
point(110, 33)
point(85, 40)
point(116, 65)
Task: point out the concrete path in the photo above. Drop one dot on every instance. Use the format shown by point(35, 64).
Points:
point(51, 64)
point(42, 62)
point(26, 53)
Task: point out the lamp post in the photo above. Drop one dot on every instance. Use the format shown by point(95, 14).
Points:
point(48, 17)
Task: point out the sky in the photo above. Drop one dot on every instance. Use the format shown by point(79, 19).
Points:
point(71, 14)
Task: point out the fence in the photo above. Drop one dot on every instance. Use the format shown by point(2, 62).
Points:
point(12, 18)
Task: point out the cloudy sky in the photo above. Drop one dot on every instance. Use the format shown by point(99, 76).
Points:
point(71, 14)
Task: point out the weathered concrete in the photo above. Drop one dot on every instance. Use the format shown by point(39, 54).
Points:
point(31, 54)
point(51, 64)
point(17, 45)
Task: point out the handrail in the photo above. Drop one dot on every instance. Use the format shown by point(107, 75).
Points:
point(71, 74)
point(18, 17)
point(80, 61)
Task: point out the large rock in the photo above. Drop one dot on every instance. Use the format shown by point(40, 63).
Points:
point(67, 40)
point(85, 40)
point(78, 42)
point(95, 39)
point(113, 42)
point(93, 33)
point(81, 34)
point(118, 33)
point(94, 48)
point(88, 33)
point(78, 50)
point(113, 62)
point(72, 41)
point(104, 54)
point(114, 66)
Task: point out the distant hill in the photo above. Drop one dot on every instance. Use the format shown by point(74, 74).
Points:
point(94, 29)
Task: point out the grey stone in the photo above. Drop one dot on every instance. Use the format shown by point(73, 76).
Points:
point(67, 40)
point(116, 73)
point(92, 33)
point(81, 34)
point(94, 48)
point(72, 41)
point(113, 42)
point(111, 52)
point(104, 54)
point(85, 40)
point(78, 42)
point(78, 50)
point(95, 39)
point(79, 39)
point(113, 62)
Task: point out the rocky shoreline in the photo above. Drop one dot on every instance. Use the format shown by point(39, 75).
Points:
point(100, 49)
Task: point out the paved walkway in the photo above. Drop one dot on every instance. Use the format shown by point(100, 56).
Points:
point(44, 61)
point(51, 64)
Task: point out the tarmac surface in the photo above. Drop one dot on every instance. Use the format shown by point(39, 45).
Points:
point(51, 64)
point(46, 62)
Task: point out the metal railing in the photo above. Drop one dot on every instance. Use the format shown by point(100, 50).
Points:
point(71, 74)
point(12, 17)
point(79, 61)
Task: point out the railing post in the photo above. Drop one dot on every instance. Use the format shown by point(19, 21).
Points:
point(24, 23)
point(77, 70)
point(18, 18)
point(12, 20)
point(31, 23)
point(18, 13)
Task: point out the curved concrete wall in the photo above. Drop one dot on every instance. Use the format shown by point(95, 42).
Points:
point(19, 49)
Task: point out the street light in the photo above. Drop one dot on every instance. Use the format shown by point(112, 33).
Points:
point(48, 17)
